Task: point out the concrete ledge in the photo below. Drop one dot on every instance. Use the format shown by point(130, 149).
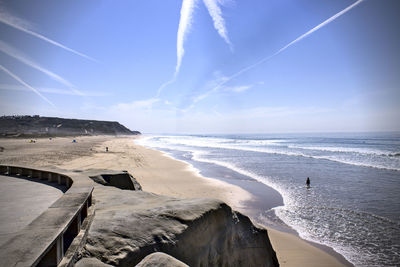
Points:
point(46, 239)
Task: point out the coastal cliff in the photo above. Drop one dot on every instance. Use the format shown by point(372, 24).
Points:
point(130, 225)
point(36, 126)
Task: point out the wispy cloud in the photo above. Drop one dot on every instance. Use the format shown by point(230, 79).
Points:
point(238, 89)
point(219, 22)
point(219, 79)
point(161, 88)
point(12, 52)
point(280, 111)
point(58, 91)
point(235, 89)
point(186, 21)
point(18, 79)
point(240, 72)
point(146, 104)
point(241, 88)
point(24, 26)
point(185, 24)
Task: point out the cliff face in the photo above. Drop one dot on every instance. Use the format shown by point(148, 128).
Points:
point(129, 225)
point(48, 126)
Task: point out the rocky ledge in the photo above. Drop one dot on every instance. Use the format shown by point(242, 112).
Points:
point(129, 226)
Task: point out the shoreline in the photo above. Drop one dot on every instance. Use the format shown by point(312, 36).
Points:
point(161, 174)
point(292, 241)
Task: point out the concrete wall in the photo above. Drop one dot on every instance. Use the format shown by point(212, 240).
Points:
point(46, 239)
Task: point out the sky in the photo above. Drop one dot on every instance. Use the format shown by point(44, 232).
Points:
point(205, 66)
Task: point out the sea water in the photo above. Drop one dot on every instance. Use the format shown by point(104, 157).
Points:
point(353, 204)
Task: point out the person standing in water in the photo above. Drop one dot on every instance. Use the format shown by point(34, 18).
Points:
point(308, 182)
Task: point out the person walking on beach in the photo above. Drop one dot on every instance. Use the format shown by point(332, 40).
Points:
point(308, 182)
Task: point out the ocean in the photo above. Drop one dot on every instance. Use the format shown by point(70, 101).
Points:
point(353, 204)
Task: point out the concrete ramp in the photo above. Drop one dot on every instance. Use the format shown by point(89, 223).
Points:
point(46, 239)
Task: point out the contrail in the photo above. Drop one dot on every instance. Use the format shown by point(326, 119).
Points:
point(185, 24)
point(320, 26)
point(165, 85)
point(25, 84)
point(51, 90)
point(278, 52)
point(219, 24)
point(24, 26)
point(12, 52)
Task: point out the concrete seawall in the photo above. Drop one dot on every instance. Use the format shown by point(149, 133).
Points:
point(49, 239)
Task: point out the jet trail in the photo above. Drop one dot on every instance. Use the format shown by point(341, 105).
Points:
point(279, 51)
point(185, 24)
point(165, 85)
point(25, 84)
point(320, 26)
point(219, 23)
point(23, 26)
point(12, 52)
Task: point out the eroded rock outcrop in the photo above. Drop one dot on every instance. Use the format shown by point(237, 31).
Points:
point(91, 262)
point(159, 259)
point(129, 225)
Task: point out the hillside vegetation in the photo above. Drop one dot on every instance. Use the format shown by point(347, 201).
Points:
point(36, 126)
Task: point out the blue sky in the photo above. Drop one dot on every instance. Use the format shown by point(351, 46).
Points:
point(254, 66)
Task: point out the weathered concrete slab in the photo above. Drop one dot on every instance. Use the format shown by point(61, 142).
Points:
point(71, 200)
point(53, 218)
point(24, 248)
point(21, 201)
point(46, 238)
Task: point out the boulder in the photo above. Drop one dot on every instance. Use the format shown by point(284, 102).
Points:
point(129, 225)
point(159, 259)
point(91, 262)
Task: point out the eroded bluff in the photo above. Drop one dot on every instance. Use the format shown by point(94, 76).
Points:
point(129, 225)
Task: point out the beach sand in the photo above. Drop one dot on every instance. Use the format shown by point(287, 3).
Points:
point(157, 173)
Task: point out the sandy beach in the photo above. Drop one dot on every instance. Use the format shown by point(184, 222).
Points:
point(157, 173)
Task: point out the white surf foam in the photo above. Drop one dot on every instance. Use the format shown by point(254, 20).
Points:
point(313, 226)
point(368, 157)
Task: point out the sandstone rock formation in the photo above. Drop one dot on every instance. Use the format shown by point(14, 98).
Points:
point(129, 225)
point(91, 262)
point(159, 259)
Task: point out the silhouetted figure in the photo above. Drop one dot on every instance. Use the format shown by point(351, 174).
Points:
point(106, 148)
point(308, 182)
